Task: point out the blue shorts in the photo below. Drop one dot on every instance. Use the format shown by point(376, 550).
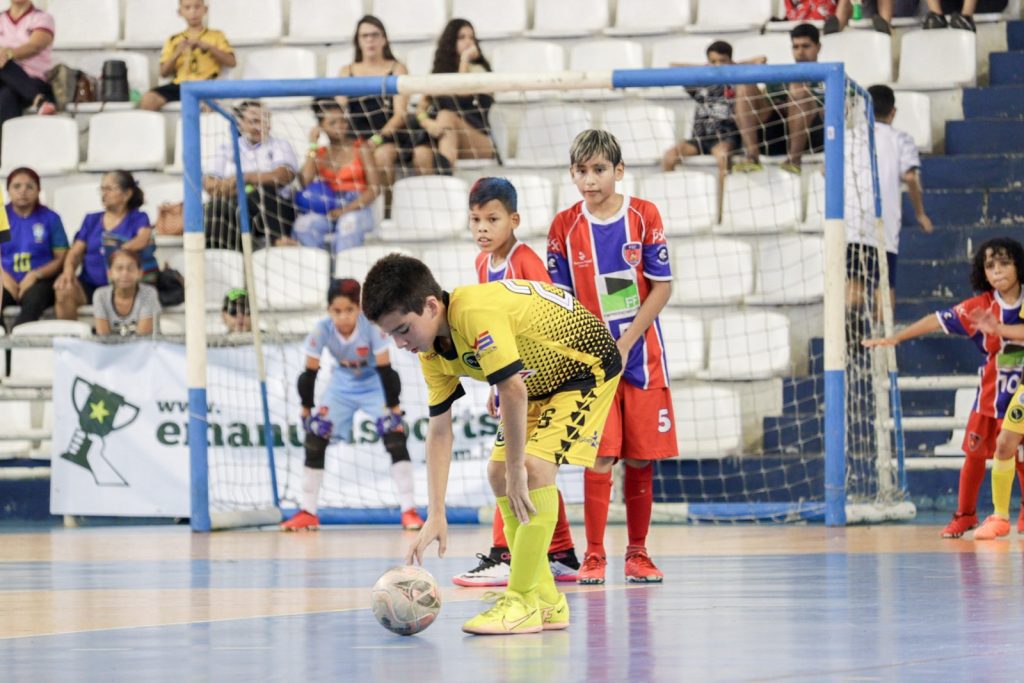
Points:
point(342, 400)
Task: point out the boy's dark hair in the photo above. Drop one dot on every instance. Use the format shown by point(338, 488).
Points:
point(806, 31)
point(883, 99)
point(486, 189)
point(346, 287)
point(999, 246)
point(593, 142)
point(246, 105)
point(236, 300)
point(719, 47)
point(398, 283)
point(323, 106)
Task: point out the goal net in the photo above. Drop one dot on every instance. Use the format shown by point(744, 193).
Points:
point(780, 412)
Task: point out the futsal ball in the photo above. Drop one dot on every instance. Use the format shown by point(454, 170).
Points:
point(317, 197)
point(406, 599)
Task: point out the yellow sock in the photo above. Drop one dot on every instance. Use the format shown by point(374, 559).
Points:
point(531, 573)
point(1002, 486)
point(511, 523)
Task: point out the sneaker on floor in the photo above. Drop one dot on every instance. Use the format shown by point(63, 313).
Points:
point(993, 528)
point(510, 615)
point(934, 20)
point(301, 521)
point(959, 525)
point(592, 570)
point(881, 25)
point(964, 22)
point(411, 520)
point(831, 25)
point(640, 569)
point(491, 572)
point(564, 565)
point(554, 616)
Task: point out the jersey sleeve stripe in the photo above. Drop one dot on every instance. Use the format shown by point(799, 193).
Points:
point(505, 372)
point(446, 405)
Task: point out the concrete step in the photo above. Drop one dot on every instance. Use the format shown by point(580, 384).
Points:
point(972, 171)
point(1002, 207)
point(932, 278)
point(985, 136)
point(1006, 68)
point(1003, 102)
point(1015, 35)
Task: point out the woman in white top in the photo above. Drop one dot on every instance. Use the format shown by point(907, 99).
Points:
point(126, 307)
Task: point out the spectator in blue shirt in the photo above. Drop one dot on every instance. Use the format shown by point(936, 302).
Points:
point(34, 256)
point(121, 225)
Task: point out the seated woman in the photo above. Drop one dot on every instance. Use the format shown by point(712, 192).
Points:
point(26, 34)
point(458, 124)
point(380, 120)
point(340, 181)
point(34, 255)
point(119, 226)
point(126, 307)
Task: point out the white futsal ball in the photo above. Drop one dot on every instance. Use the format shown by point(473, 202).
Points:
point(406, 599)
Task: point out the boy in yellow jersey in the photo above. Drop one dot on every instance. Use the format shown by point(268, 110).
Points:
point(556, 367)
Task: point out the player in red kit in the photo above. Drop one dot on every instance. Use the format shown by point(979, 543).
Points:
point(610, 252)
point(493, 218)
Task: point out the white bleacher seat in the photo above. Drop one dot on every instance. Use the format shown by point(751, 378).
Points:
point(73, 202)
point(546, 131)
point(644, 130)
point(172, 324)
point(568, 194)
point(914, 116)
point(322, 21)
point(680, 50)
point(335, 59)
point(650, 17)
point(275, 63)
point(300, 323)
point(493, 20)
point(149, 23)
point(247, 22)
point(526, 56)
point(139, 78)
point(129, 140)
point(775, 47)
point(356, 262)
point(224, 271)
point(937, 60)
point(536, 203)
point(748, 345)
point(17, 422)
point(452, 264)
point(711, 270)
point(790, 269)
point(85, 25)
point(47, 144)
point(34, 365)
point(294, 126)
point(962, 405)
point(867, 55)
point(599, 54)
point(765, 201)
point(428, 208)
point(731, 16)
point(684, 342)
point(814, 220)
point(213, 128)
point(419, 61)
point(687, 200)
point(411, 20)
point(709, 420)
point(568, 18)
point(274, 270)
point(3, 356)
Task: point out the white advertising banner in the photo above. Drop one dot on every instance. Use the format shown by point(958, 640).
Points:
point(121, 434)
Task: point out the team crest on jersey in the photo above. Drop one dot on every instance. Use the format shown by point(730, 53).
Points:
point(632, 253)
point(552, 264)
point(973, 441)
point(1015, 414)
point(363, 351)
point(470, 359)
point(38, 232)
point(663, 254)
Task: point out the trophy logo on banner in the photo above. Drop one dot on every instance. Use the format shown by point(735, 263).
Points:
point(100, 412)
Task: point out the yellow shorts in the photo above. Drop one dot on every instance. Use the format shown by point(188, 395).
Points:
point(1013, 421)
point(565, 427)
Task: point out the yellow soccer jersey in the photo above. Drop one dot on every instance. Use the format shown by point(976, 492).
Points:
point(195, 64)
point(518, 326)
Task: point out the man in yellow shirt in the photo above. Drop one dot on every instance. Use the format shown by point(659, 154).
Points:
point(556, 368)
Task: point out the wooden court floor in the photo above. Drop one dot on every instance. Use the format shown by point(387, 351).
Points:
point(739, 603)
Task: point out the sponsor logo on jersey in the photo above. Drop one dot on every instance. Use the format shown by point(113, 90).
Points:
point(484, 341)
point(555, 246)
point(363, 351)
point(470, 359)
point(552, 263)
point(663, 254)
point(527, 373)
point(1016, 414)
point(658, 235)
point(632, 253)
point(582, 259)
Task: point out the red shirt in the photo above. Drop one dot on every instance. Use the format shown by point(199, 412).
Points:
point(522, 263)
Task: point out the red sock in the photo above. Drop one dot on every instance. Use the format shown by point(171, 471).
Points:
point(597, 494)
point(639, 496)
point(971, 475)
point(1020, 480)
point(562, 540)
point(498, 530)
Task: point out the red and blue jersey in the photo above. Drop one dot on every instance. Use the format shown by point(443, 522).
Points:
point(608, 265)
point(1000, 373)
point(35, 241)
point(522, 263)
